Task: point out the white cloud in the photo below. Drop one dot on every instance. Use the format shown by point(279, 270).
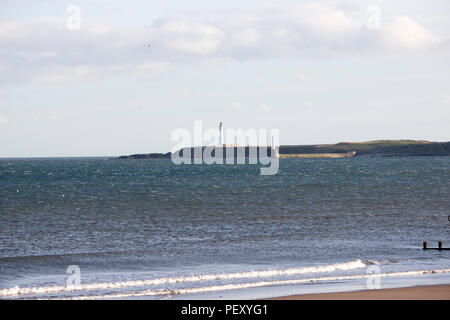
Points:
point(236, 105)
point(189, 37)
point(308, 105)
point(446, 99)
point(64, 74)
point(44, 50)
point(46, 54)
point(264, 107)
point(246, 37)
point(186, 91)
point(405, 33)
point(301, 77)
point(154, 67)
point(325, 20)
point(3, 120)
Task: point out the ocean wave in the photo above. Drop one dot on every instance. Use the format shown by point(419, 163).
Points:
point(251, 285)
point(350, 265)
point(381, 261)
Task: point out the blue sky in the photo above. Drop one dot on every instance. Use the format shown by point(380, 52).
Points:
point(315, 70)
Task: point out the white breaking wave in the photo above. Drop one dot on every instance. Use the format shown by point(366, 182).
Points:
point(251, 285)
point(16, 291)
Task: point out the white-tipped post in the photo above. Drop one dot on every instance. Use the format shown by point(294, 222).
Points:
point(220, 134)
point(274, 147)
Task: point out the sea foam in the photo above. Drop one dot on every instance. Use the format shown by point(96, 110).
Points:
point(350, 265)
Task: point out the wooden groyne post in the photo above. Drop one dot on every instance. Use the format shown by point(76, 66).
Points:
point(425, 246)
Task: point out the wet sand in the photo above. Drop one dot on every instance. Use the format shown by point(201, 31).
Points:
point(434, 292)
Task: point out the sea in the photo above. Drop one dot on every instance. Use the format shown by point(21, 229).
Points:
point(98, 228)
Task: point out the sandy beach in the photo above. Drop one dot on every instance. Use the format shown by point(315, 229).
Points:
point(434, 292)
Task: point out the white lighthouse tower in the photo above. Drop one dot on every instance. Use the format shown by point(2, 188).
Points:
point(221, 140)
point(275, 148)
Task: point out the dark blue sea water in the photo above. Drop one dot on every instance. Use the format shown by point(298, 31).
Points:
point(149, 228)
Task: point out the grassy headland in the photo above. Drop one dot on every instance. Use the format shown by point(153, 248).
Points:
point(376, 148)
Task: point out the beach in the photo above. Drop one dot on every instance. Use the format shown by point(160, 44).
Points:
point(434, 292)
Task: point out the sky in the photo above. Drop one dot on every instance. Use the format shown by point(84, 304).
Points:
point(108, 78)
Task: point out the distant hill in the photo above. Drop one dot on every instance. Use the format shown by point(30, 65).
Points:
point(377, 148)
point(147, 156)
